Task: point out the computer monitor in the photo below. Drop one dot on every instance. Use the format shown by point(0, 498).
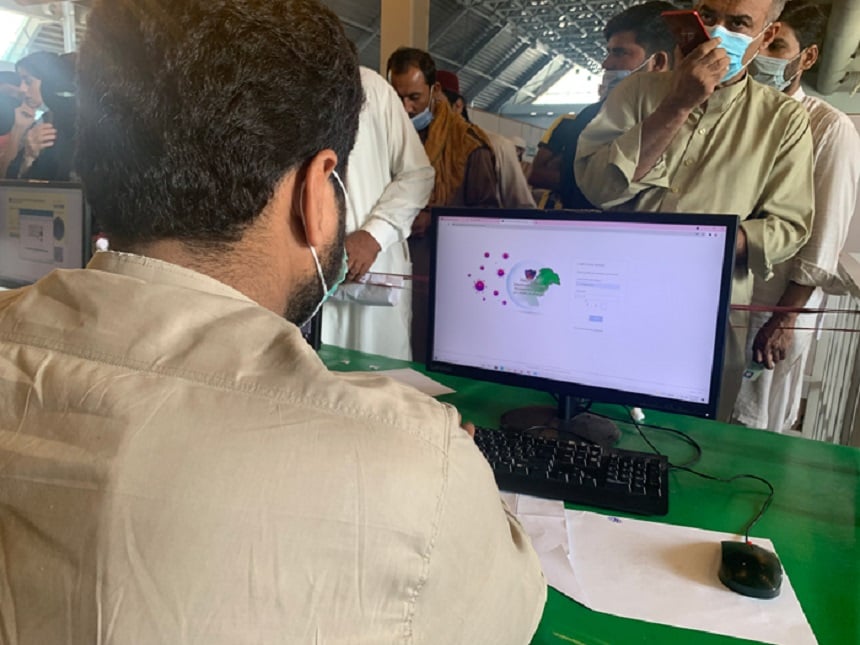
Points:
point(43, 226)
point(609, 307)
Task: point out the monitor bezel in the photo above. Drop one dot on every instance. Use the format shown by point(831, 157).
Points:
point(593, 393)
point(86, 216)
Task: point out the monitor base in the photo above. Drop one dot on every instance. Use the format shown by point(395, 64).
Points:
point(551, 422)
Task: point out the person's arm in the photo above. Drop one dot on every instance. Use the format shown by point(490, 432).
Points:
point(546, 169)
point(773, 340)
point(620, 153)
point(836, 176)
point(37, 139)
point(481, 182)
point(390, 220)
point(484, 581)
point(23, 121)
point(513, 184)
point(782, 220)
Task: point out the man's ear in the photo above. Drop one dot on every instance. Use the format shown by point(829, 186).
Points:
point(769, 34)
point(436, 91)
point(808, 57)
point(318, 201)
point(661, 62)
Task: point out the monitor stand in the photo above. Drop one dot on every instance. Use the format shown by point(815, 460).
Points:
point(569, 418)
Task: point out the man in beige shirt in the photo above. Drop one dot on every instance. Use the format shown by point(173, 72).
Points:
point(706, 138)
point(176, 464)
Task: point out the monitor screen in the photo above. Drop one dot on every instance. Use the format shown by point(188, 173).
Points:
point(612, 307)
point(43, 227)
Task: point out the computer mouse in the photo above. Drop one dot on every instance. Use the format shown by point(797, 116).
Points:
point(593, 428)
point(750, 570)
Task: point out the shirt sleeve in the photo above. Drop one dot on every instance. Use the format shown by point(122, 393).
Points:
point(836, 176)
point(483, 574)
point(481, 180)
point(608, 150)
point(515, 188)
point(782, 220)
point(390, 220)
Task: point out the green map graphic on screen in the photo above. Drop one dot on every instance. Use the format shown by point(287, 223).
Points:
point(527, 285)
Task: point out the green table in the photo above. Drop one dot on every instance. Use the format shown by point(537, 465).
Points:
point(813, 521)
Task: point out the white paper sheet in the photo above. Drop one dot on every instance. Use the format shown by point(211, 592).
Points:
point(418, 381)
point(655, 572)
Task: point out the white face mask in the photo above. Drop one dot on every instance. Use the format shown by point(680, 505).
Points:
point(736, 45)
point(771, 71)
point(612, 77)
point(424, 119)
point(344, 267)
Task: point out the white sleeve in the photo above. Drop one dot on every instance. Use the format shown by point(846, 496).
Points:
point(412, 176)
point(836, 176)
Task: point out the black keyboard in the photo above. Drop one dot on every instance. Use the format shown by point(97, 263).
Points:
point(577, 471)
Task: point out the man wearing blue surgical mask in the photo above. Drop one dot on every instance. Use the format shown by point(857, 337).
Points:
point(461, 155)
point(781, 340)
point(707, 138)
point(637, 39)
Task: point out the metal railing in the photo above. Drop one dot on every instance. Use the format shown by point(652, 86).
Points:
point(833, 379)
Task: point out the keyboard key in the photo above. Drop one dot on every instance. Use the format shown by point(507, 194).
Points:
point(577, 472)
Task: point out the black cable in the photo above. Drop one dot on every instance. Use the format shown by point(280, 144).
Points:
point(729, 480)
point(681, 435)
point(724, 480)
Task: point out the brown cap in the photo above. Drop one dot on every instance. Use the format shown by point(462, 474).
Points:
point(448, 81)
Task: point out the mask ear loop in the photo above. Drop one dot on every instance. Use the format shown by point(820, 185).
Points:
point(311, 246)
point(305, 224)
point(797, 58)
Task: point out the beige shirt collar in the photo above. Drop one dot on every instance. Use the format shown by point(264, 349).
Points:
point(156, 271)
point(723, 97)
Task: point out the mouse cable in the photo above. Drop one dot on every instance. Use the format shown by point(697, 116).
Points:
point(729, 480)
point(724, 480)
point(678, 433)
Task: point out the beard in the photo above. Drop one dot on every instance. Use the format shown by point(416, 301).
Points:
point(307, 297)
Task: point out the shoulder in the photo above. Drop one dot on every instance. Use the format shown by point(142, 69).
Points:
point(372, 81)
point(772, 103)
point(825, 117)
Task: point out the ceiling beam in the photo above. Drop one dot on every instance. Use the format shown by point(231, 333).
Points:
point(372, 36)
point(485, 41)
point(443, 29)
point(497, 70)
point(540, 81)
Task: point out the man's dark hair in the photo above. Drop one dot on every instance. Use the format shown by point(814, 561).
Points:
point(192, 111)
point(453, 97)
point(42, 65)
point(405, 57)
point(809, 22)
point(647, 25)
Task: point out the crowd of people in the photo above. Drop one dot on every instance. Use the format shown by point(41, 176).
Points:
point(179, 466)
point(722, 133)
point(39, 104)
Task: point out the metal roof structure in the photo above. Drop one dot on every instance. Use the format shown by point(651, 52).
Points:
point(506, 52)
point(503, 50)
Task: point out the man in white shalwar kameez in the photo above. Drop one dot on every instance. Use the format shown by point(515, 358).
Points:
point(389, 180)
point(782, 339)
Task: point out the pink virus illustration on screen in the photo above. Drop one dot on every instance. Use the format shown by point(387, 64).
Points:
point(505, 281)
point(491, 287)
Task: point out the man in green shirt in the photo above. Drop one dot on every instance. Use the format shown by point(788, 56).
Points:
point(707, 138)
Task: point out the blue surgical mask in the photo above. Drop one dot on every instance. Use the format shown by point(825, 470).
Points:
point(612, 77)
point(328, 291)
point(771, 71)
point(736, 46)
point(423, 120)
